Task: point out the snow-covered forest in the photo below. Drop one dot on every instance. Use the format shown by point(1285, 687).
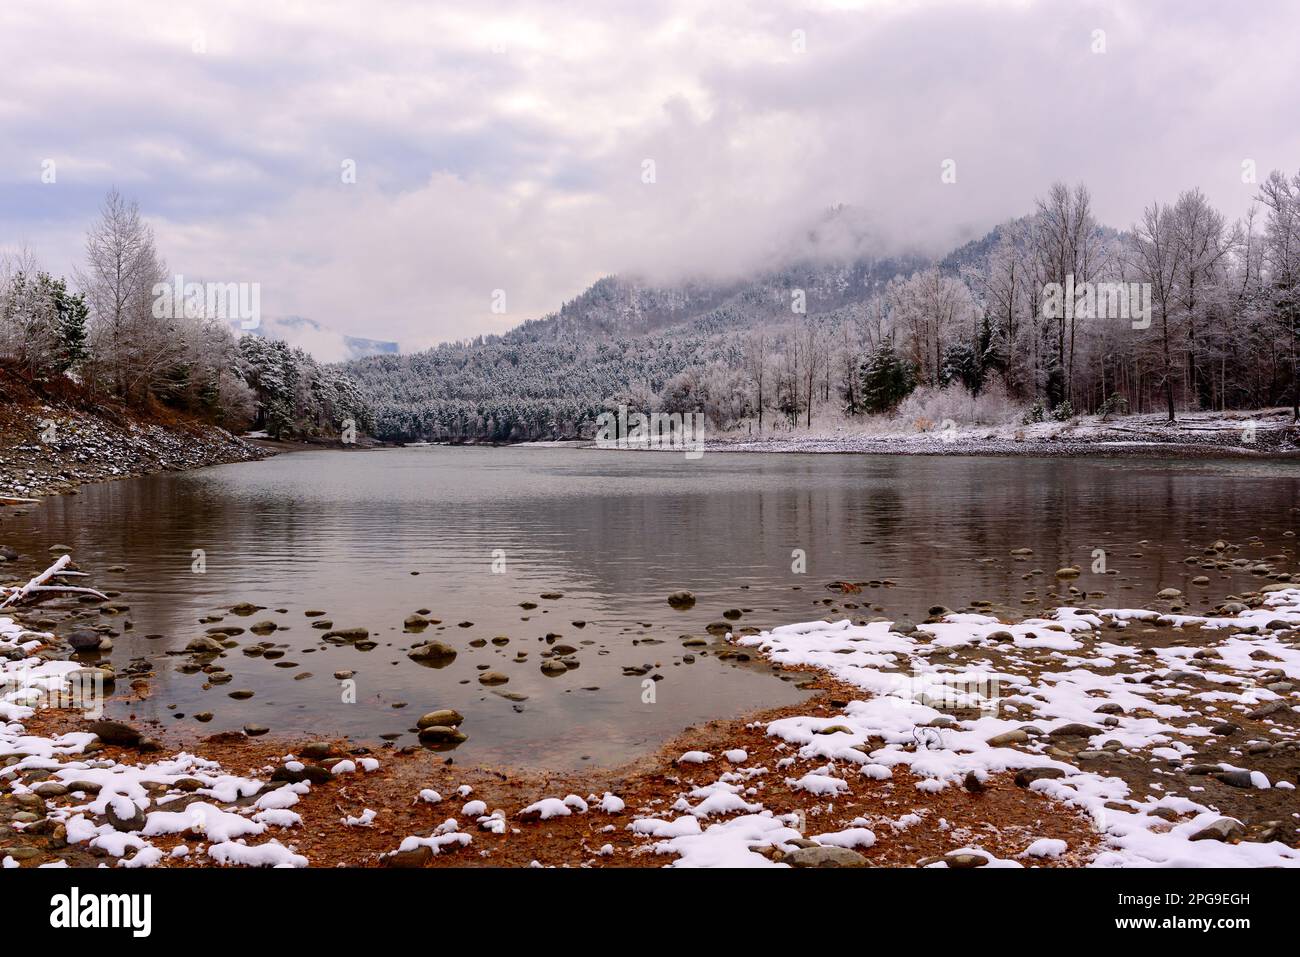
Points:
point(111, 338)
point(852, 339)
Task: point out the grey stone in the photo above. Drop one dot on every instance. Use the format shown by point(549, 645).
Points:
point(825, 857)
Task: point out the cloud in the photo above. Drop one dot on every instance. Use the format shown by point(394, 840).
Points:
point(501, 146)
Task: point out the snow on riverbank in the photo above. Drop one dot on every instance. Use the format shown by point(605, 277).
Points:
point(1164, 739)
point(1060, 676)
point(116, 807)
point(1260, 432)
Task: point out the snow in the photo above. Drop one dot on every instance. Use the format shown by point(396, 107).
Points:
point(695, 757)
point(547, 808)
point(894, 725)
point(1046, 847)
point(130, 787)
point(849, 837)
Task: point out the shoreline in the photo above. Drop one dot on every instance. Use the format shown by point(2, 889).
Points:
point(70, 449)
point(819, 783)
point(1262, 434)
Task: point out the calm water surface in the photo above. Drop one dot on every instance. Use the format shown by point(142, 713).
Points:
point(614, 532)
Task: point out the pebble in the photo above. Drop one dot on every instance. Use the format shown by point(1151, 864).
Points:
point(820, 856)
point(444, 717)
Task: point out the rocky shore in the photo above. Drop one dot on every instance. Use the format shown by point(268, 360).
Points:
point(49, 450)
point(1082, 736)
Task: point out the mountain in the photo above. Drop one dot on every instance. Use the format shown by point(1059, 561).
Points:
point(325, 345)
point(623, 339)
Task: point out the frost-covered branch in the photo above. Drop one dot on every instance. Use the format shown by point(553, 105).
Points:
point(38, 585)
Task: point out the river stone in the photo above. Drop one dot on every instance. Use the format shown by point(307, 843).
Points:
point(415, 857)
point(1273, 707)
point(432, 651)
point(1067, 572)
point(552, 667)
point(315, 750)
point(445, 717)
point(1167, 593)
point(825, 857)
point(1028, 776)
point(1008, 737)
point(492, 678)
point(681, 599)
point(1236, 779)
point(314, 773)
point(133, 822)
point(244, 608)
point(204, 646)
point(347, 634)
point(83, 639)
point(1224, 829)
point(1072, 730)
point(115, 732)
point(263, 627)
point(441, 734)
point(964, 861)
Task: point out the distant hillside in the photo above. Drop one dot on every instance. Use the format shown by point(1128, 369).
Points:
point(621, 338)
point(325, 345)
point(839, 330)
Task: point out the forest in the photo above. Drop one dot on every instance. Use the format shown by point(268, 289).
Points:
point(980, 334)
point(122, 339)
point(844, 341)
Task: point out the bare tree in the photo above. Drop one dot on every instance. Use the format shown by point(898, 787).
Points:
point(1158, 258)
point(1281, 197)
point(1204, 248)
point(130, 343)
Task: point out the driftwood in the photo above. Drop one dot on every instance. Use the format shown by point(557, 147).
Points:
point(38, 586)
point(15, 500)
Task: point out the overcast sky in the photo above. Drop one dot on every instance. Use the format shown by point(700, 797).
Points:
point(502, 145)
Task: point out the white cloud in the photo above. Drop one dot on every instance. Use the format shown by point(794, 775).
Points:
point(500, 145)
